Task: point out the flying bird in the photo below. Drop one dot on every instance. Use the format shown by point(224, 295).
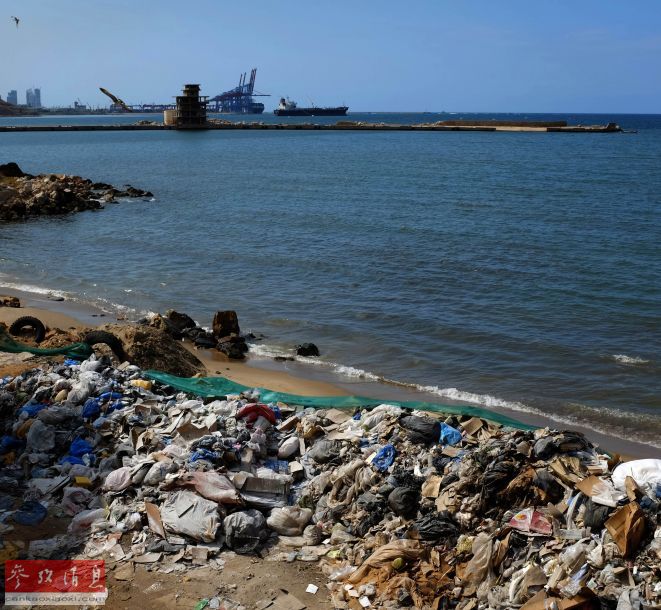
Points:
point(16, 21)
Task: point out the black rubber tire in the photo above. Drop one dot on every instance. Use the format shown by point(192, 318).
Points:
point(37, 325)
point(101, 336)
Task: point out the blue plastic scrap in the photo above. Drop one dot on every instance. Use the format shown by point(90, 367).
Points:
point(110, 396)
point(449, 435)
point(203, 454)
point(384, 458)
point(71, 362)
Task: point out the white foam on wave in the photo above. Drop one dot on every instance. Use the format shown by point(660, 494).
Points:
point(33, 289)
point(624, 359)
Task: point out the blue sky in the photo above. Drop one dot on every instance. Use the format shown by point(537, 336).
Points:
point(459, 55)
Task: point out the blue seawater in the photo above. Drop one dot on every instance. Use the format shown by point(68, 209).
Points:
point(512, 269)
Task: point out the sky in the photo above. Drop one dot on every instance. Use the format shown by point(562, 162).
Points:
point(372, 55)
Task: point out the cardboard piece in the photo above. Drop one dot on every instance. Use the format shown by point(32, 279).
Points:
point(472, 425)
point(286, 601)
point(289, 423)
point(601, 492)
point(627, 527)
point(431, 488)
point(543, 601)
point(154, 519)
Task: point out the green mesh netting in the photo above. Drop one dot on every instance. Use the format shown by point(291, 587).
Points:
point(216, 387)
point(80, 351)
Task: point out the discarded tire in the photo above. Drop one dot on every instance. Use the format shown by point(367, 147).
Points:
point(101, 336)
point(38, 328)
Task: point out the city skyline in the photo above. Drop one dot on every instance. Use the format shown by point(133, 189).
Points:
point(478, 56)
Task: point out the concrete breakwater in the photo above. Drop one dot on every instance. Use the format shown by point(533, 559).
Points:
point(499, 126)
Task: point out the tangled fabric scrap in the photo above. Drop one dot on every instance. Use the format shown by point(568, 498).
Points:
point(401, 509)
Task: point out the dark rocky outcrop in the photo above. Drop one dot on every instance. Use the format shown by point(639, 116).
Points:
point(307, 349)
point(23, 195)
point(225, 323)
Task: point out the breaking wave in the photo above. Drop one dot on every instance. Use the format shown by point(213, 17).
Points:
point(633, 360)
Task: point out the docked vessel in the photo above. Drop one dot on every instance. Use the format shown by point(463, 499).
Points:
point(288, 107)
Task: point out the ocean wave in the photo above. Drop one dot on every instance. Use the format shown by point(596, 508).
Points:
point(624, 359)
point(609, 422)
point(40, 290)
point(105, 305)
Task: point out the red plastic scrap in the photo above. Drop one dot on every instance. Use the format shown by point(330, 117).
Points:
point(252, 411)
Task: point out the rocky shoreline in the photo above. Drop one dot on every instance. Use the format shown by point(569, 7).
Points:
point(24, 195)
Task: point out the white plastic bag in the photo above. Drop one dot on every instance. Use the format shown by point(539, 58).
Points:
point(289, 520)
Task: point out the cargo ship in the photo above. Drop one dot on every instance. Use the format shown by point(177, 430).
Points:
point(288, 107)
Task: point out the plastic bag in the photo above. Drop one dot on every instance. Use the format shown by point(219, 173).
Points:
point(288, 447)
point(646, 473)
point(289, 520)
point(245, 530)
point(384, 458)
point(191, 515)
point(157, 472)
point(404, 501)
point(118, 480)
point(449, 435)
point(40, 438)
point(435, 527)
point(212, 486)
point(423, 430)
point(30, 513)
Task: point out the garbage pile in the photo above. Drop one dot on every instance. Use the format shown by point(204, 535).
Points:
point(401, 509)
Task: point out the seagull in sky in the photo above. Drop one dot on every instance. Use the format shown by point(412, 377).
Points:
point(16, 21)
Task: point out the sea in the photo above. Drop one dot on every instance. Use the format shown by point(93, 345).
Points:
point(507, 270)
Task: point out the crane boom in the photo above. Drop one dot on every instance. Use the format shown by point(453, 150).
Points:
point(115, 100)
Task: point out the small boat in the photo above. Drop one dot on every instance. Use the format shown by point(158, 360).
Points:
point(288, 107)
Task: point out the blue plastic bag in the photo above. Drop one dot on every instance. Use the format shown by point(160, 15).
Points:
point(9, 443)
point(384, 458)
point(71, 362)
point(449, 435)
point(32, 408)
point(79, 447)
point(92, 409)
point(30, 513)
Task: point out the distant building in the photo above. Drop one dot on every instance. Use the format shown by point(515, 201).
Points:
point(12, 97)
point(33, 98)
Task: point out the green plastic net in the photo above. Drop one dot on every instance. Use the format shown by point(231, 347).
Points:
point(79, 351)
point(217, 387)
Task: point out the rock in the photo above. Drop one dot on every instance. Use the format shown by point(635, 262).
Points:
point(234, 347)
point(307, 349)
point(9, 301)
point(11, 170)
point(152, 348)
point(225, 323)
point(181, 321)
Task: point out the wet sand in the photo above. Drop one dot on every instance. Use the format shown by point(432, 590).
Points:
point(290, 377)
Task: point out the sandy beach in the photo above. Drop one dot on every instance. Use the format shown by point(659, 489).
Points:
point(288, 376)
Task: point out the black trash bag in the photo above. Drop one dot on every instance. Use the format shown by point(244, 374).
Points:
point(423, 430)
point(563, 442)
point(245, 530)
point(595, 515)
point(545, 481)
point(404, 501)
point(497, 475)
point(435, 528)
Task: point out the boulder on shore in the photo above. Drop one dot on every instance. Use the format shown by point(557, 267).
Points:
point(225, 323)
point(152, 348)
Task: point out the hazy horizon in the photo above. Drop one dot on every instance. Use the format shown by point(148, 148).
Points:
point(596, 58)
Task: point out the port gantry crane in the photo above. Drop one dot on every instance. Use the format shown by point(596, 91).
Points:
point(240, 99)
